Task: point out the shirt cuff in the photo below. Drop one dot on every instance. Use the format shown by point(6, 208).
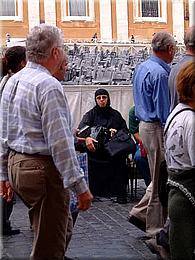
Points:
point(81, 187)
point(78, 187)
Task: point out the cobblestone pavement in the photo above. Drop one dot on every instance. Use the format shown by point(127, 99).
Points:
point(101, 233)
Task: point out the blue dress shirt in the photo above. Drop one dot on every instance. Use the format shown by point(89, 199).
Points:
point(150, 90)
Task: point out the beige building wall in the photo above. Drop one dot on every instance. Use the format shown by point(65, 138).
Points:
point(191, 12)
point(112, 20)
point(143, 31)
point(105, 20)
point(122, 20)
point(17, 29)
point(34, 14)
point(79, 30)
point(178, 21)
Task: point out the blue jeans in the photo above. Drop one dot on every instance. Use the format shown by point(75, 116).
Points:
point(142, 166)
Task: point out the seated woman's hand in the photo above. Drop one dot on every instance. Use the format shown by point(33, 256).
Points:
point(89, 141)
point(112, 131)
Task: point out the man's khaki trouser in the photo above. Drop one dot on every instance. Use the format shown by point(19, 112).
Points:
point(149, 209)
point(38, 183)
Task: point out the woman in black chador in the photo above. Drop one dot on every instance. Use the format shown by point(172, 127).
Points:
point(108, 176)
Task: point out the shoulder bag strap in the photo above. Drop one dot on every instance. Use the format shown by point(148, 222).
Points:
point(178, 112)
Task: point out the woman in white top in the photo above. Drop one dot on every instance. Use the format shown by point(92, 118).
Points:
point(180, 158)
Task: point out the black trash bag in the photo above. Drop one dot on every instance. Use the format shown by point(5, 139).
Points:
point(120, 143)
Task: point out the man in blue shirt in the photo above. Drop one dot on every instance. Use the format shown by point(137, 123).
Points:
point(152, 105)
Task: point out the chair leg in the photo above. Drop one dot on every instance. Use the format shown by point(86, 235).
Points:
point(132, 180)
point(135, 178)
point(133, 175)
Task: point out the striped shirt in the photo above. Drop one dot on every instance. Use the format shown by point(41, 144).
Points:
point(35, 119)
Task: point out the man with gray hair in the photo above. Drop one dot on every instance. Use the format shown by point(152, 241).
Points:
point(189, 41)
point(37, 145)
point(151, 98)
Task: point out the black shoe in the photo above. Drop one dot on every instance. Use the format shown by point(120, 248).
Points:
point(144, 238)
point(96, 199)
point(162, 239)
point(121, 200)
point(151, 244)
point(11, 232)
point(137, 222)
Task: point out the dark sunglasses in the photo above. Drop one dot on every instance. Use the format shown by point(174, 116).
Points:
point(101, 97)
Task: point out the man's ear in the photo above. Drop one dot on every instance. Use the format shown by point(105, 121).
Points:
point(172, 49)
point(23, 63)
point(55, 53)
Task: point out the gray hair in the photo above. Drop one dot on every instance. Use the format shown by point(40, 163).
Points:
point(162, 40)
point(189, 38)
point(41, 40)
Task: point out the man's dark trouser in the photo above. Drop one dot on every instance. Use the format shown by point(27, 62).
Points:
point(7, 208)
point(182, 226)
point(36, 180)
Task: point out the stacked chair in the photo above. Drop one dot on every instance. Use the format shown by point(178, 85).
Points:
point(94, 65)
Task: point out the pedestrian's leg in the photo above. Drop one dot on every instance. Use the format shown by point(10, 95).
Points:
point(6, 212)
point(140, 209)
point(52, 219)
point(182, 226)
point(74, 214)
point(39, 184)
point(143, 167)
point(121, 178)
point(69, 229)
point(152, 138)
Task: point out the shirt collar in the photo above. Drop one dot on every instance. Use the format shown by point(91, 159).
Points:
point(34, 65)
point(161, 62)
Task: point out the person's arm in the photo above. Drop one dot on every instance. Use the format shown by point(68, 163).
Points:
point(161, 97)
point(137, 137)
point(134, 129)
point(5, 188)
point(87, 120)
point(190, 135)
point(3, 159)
point(59, 139)
point(3, 133)
point(6, 191)
point(133, 122)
